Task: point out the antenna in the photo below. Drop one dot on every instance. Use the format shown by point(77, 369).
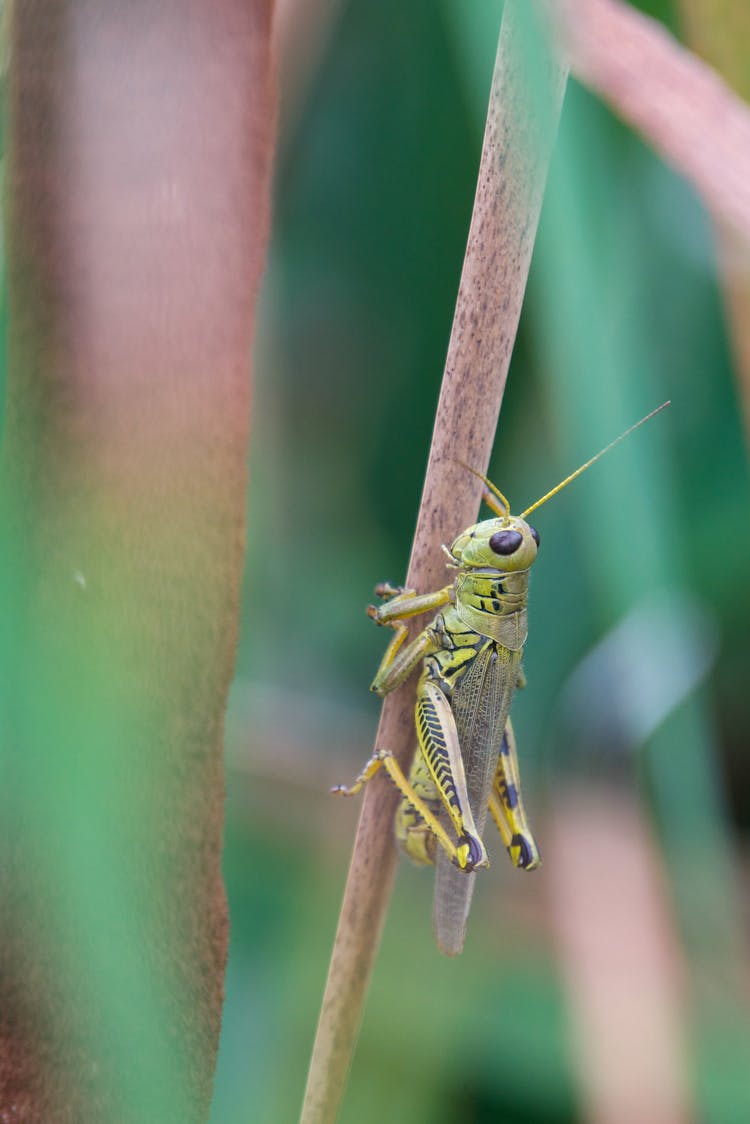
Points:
point(491, 487)
point(568, 479)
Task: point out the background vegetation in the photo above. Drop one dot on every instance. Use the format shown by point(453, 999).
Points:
point(638, 658)
point(648, 555)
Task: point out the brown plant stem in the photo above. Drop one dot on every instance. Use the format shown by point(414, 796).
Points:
point(519, 136)
point(678, 103)
point(136, 182)
point(621, 961)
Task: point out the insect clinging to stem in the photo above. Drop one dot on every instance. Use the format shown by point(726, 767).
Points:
point(466, 762)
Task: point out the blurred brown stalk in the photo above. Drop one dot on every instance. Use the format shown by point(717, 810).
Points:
point(680, 105)
point(620, 959)
point(137, 181)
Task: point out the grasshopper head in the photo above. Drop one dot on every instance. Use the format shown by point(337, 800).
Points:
point(506, 544)
point(509, 543)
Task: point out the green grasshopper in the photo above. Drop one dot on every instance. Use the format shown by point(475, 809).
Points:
point(466, 762)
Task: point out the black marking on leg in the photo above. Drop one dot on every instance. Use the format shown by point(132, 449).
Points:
point(525, 853)
point(510, 795)
point(475, 856)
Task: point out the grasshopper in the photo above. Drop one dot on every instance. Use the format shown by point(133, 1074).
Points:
point(466, 762)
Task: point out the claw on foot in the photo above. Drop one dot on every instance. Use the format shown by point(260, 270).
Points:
point(523, 853)
point(470, 854)
point(385, 589)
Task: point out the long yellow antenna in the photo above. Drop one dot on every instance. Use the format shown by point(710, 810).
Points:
point(568, 479)
point(491, 487)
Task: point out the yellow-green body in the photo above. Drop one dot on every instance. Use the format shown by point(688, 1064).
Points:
point(465, 763)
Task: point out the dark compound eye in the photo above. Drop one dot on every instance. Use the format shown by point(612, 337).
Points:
point(534, 534)
point(506, 542)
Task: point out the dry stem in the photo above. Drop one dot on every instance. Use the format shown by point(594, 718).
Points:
point(679, 104)
point(521, 124)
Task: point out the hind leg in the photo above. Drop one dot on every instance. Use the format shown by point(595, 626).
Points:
point(439, 772)
point(507, 810)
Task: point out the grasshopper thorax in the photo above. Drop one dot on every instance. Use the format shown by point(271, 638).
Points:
point(509, 544)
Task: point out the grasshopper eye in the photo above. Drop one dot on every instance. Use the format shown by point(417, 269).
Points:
point(534, 534)
point(506, 542)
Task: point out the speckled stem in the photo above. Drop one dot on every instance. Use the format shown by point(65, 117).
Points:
point(525, 100)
